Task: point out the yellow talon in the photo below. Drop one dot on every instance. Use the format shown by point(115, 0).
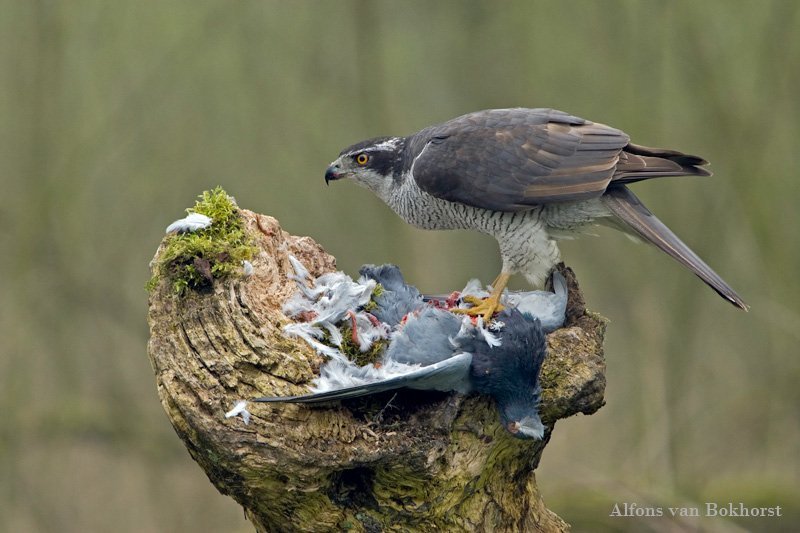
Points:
point(488, 306)
point(474, 300)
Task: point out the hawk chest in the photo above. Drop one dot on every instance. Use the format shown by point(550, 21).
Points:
point(424, 211)
point(525, 244)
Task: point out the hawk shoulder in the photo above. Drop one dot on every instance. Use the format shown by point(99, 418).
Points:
point(513, 159)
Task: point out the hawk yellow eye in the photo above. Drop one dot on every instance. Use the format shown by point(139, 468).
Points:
point(362, 159)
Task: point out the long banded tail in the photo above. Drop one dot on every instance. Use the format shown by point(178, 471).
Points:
point(628, 208)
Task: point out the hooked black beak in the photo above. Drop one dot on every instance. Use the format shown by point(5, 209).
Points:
point(332, 174)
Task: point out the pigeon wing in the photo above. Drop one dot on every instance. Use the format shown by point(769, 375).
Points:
point(447, 375)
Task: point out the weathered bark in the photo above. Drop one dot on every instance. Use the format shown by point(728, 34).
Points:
point(405, 462)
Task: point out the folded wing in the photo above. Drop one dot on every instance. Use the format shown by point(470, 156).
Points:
point(447, 375)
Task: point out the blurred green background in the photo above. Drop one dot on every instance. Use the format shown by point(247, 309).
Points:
point(114, 116)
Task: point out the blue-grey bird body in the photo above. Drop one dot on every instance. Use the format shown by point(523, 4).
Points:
point(431, 348)
point(397, 298)
point(440, 354)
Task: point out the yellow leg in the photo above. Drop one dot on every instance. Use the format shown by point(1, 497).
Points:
point(488, 306)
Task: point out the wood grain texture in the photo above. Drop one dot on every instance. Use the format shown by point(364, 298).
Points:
point(414, 461)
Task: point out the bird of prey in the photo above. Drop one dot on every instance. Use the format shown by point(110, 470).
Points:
point(526, 177)
point(436, 350)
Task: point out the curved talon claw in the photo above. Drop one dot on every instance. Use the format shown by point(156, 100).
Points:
point(485, 307)
point(474, 300)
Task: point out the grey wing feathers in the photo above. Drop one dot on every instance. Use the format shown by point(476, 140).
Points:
point(555, 314)
point(450, 374)
point(426, 338)
point(329, 396)
point(511, 159)
point(628, 208)
point(549, 307)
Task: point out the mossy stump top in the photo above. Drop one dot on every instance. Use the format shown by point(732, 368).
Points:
point(410, 461)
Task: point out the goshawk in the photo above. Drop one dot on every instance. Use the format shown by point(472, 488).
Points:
point(527, 177)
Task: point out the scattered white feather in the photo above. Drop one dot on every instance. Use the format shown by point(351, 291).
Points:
point(341, 374)
point(490, 338)
point(473, 288)
point(331, 297)
point(343, 295)
point(368, 332)
point(300, 271)
point(240, 409)
point(248, 268)
point(192, 222)
point(310, 293)
point(325, 304)
point(497, 325)
point(310, 333)
point(466, 326)
point(335, 336)
point(295, 305)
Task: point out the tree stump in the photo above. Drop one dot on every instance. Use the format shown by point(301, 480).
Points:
point(410, 461)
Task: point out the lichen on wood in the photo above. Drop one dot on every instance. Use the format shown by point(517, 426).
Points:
point(404, 461)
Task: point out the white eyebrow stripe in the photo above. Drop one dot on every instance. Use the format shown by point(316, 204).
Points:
point(389, 144)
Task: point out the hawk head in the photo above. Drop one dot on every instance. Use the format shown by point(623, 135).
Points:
point(374, 164)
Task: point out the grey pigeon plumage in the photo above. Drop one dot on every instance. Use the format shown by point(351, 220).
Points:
point(426, 338)
point(510, 373)
point(430, 347)
point(322, 304)
point(397, 299)
point(549, 307)
point(435, 351)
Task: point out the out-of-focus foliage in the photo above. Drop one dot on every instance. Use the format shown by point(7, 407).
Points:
point(115, 115)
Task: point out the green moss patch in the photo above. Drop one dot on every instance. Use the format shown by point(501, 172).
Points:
point(377, 291)
point(352, 351)
point(193, 260)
